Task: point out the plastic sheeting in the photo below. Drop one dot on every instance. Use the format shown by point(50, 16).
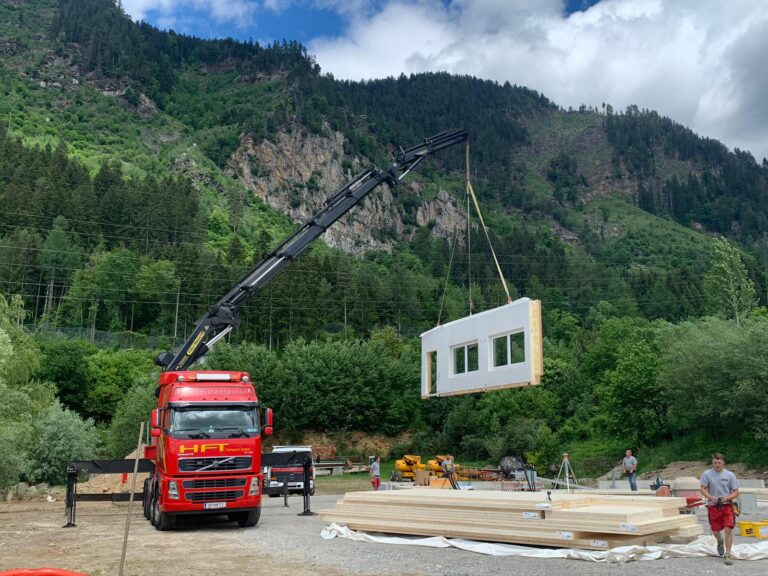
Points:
point(702, 546)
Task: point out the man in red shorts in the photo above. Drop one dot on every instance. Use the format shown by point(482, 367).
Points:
point(721, 487)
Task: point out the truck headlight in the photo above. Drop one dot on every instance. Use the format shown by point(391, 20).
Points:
point(173, 490)
point(254, 491)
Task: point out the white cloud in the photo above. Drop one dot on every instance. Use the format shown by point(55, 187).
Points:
point(699, 62)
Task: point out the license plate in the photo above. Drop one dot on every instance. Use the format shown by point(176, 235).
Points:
point(209, 505)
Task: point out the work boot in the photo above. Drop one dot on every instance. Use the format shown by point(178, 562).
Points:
point(720, 548)
point(728, 560)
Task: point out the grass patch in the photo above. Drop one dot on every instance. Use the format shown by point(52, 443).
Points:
point(631, 236)
point(593, 458)
point(341, 483)
point(744, 448)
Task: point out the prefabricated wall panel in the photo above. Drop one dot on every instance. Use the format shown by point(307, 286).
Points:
point(483, 352)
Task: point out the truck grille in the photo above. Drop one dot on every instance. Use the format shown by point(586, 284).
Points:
point(217, 464)
point(219, 496)
point(214, 483)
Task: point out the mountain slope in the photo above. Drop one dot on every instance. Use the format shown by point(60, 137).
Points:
point(583, 203)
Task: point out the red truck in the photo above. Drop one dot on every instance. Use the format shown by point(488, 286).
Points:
point(206, 427)
point(206, 448)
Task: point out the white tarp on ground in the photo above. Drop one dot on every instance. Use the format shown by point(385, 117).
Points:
point(702, 546)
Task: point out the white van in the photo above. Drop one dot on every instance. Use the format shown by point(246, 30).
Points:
point(291, 474)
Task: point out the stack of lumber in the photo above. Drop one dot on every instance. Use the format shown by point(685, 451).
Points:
point(566, 521)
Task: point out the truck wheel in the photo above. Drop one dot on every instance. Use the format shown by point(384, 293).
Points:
point(312, 491)
point(146, 498)
point(152, 509)
point(248, 519)
point(162, 520)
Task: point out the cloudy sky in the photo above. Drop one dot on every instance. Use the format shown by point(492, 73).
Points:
point(696, 61)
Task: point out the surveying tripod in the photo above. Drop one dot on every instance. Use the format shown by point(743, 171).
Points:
point(566, 476)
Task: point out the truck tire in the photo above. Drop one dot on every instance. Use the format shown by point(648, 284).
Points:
point(146, 497)
point(247, 519)
point(312, 491)
point(152, 509)
point(161, 520)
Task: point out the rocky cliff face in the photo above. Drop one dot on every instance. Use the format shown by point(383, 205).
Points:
point(298, 171)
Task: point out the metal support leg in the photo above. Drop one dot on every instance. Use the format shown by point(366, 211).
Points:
point(71, 499)
point(307, 480)
point(285, 492)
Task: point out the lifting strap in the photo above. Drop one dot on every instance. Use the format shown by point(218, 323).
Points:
point(447, 279)
point(471, 192)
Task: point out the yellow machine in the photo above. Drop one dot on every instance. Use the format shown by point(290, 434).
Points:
point(406, 466)
point(436, 468)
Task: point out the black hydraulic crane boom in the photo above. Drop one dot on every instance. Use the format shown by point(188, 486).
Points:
point(223, 316)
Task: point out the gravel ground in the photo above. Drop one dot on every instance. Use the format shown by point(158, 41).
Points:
point(282, 543)
point(370, 558)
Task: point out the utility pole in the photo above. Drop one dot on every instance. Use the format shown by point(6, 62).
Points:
point(765, 264)
point(176, 320)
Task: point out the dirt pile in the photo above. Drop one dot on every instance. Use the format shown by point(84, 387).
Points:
point(112, 483)
point(696, 469)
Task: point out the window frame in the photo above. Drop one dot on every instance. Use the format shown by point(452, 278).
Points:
point(468, 364)
point(508, 339)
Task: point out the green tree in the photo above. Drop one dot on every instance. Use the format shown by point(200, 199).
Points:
point(61, 253)
point(111, 375)
point(19, 367)
point(158, 284)
point(713, 374)
point(62, 436)
point(134, 408)
point(101, 291)
point(65, 363)
point(728, 289)
point(632, 406)
point(22, 401)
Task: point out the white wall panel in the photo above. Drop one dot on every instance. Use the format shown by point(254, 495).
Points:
point(522, 316)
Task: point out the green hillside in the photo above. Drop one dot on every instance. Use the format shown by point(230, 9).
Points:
point(125, 213)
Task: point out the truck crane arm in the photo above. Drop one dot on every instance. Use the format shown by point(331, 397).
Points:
point(223, 316)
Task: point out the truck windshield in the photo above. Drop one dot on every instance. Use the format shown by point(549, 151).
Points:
point(214, 422)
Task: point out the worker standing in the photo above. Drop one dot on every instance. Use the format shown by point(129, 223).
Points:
point(721, 487)
point(447, 465)
point(629, 467)
point(376, 472)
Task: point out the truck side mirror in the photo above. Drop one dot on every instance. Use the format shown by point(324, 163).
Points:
point(268, 425)
point(155, 420)
point(155, 432)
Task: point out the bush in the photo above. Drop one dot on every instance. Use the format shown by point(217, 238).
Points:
point(62, 436)
point(13, 452)
point(134, 408)
point(65, 363)
point(112, 374)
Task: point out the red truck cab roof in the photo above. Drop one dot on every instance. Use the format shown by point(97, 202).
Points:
point(206, 386)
